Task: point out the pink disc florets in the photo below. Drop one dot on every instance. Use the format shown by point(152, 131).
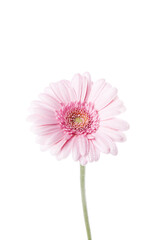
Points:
point(78, 118)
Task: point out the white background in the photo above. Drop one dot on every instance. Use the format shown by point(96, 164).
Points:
point(45, 41)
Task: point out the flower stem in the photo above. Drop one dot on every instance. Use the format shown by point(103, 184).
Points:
point(84, 203)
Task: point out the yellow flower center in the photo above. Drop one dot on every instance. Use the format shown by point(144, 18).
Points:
point(78, 120)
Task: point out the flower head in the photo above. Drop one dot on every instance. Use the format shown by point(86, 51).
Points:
point(79, 117)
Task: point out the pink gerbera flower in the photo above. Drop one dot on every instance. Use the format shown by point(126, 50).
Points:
point(79, 117)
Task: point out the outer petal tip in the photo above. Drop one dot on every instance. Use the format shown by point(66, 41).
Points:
point(87, 74)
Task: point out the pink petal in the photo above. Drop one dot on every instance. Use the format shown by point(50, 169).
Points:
point(115, 123)
point(101, 143)
point(104, 143)
point(106, 96)
point(93, 153)
point(65, 149)
point(114, 108)
point(64, 91)
point(90, 136)
point(80, 147)
point(77, 85)
point(57, 136)
point(83, 160)
point(54, 138)
point(115, 135)
point(55, 148)
point(38, 107)
point(96, 90)
point(82, 143)
point(88, 82)
point(44, 130)
point(75, 150)
point(87, 75)
point(61, 91)
point(44, 121)
point(71, 91)
point(49, 100)
point(57, 92)
point(52, 92)
point(54, 141)
point(82, 86)
point(112, 146)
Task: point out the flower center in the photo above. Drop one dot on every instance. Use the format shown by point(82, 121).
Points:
point(78, 118)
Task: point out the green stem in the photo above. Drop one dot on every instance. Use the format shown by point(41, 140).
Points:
point(84, 203)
